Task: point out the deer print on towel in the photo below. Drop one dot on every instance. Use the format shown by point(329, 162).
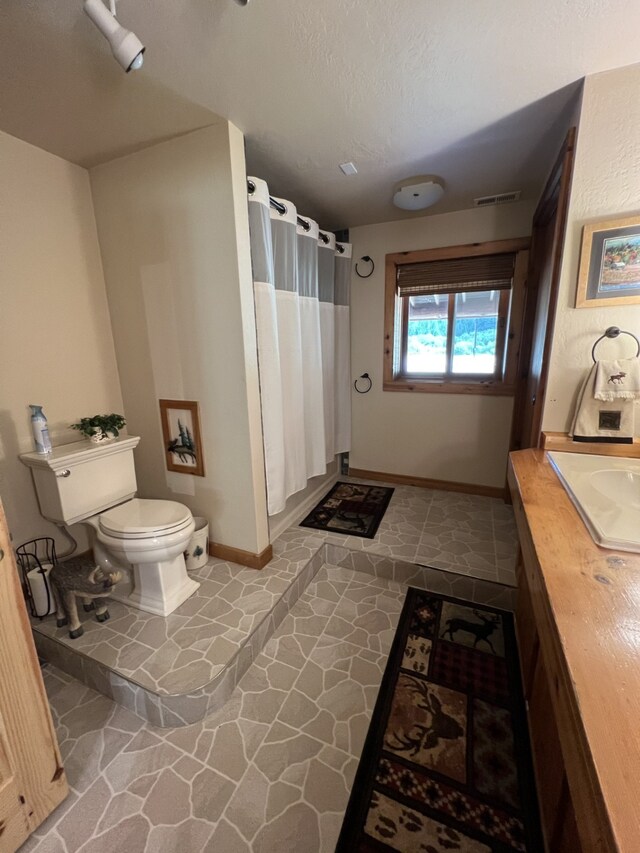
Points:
point(617, 378)
point(481, 631)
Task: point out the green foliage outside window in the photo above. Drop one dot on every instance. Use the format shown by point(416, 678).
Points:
point(473, 336)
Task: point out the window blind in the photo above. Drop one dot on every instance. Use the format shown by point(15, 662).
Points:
point(455, 275)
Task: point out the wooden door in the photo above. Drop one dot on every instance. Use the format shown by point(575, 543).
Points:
point(32, 781)
point(12, 821)
point(549, 225)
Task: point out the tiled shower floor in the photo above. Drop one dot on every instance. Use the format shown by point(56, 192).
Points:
point(269, 772)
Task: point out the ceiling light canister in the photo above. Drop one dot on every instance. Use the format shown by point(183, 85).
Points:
point(418, 193)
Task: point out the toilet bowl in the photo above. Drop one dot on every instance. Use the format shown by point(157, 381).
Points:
point(146, 539)
point(95, 485)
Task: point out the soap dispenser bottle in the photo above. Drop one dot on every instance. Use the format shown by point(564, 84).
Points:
point(40, 430)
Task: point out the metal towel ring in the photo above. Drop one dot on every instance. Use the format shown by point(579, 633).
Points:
point(367, 260)
point(613, 332)
point(368, 379)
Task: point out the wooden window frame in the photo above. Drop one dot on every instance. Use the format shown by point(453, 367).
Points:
point(395, 377)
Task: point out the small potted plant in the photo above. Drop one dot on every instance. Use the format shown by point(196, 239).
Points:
point(100, 428)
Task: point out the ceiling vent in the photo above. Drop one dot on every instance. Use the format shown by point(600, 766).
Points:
point(501, 198)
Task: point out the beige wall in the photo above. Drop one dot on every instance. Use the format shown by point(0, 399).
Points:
point(606, 184)
point(462, 438)
point(56, 347)
point(173, 229)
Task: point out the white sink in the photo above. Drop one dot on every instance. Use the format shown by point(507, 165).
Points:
point(606, 492)
point(618, 486)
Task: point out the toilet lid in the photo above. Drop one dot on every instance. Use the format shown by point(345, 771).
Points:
point(144, 516)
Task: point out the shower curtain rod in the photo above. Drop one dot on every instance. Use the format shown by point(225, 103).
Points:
point(281, 208)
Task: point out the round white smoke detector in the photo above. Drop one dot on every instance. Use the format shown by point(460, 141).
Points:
point(418, 193)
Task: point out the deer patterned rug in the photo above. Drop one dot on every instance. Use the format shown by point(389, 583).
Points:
point(446, 765)
point(350, 508)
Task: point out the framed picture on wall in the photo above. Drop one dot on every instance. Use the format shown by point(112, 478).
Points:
point(181, 436)
point(609, 272)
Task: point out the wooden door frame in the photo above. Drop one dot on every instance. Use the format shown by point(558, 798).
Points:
point(553, 201)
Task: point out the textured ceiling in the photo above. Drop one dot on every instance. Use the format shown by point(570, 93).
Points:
point(473, 92)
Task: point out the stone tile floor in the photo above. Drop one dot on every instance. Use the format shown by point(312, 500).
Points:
point(186, 650)
point(467, 534)
point(270, 772)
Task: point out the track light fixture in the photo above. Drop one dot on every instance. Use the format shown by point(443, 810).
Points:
point(125, 45)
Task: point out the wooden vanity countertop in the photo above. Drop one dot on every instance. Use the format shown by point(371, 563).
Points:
point(590, 605)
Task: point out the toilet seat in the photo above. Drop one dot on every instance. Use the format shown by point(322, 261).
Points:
point(145, 519)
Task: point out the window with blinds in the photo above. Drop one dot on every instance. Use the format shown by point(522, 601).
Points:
point(451, 316)
point(456, 275)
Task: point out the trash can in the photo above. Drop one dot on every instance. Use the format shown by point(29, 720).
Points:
point(198, 549)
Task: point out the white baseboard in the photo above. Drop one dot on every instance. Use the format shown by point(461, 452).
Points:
point(298, 512)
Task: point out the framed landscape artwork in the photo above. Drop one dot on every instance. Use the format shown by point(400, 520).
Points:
point(181, 436)
point(609, 272)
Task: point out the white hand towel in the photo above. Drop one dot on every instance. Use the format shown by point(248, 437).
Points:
point(617, 380)
point(594, 421)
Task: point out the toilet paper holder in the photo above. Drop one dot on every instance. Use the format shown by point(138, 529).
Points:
point(35, 559)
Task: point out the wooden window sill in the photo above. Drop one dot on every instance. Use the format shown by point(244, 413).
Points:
point(430, 386)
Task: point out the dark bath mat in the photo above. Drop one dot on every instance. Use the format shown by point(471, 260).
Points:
point(446, 764)
point(350, 508)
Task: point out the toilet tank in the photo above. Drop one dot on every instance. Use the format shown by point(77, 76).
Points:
point(78, 480)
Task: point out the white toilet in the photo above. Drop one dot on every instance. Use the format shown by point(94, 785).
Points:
point(95, 484)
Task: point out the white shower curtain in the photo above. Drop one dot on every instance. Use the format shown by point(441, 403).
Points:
point(312, 348)
point(268, 347)
point(301, 286)
point(342, 372)
point(326, 284)
point(285, 263)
